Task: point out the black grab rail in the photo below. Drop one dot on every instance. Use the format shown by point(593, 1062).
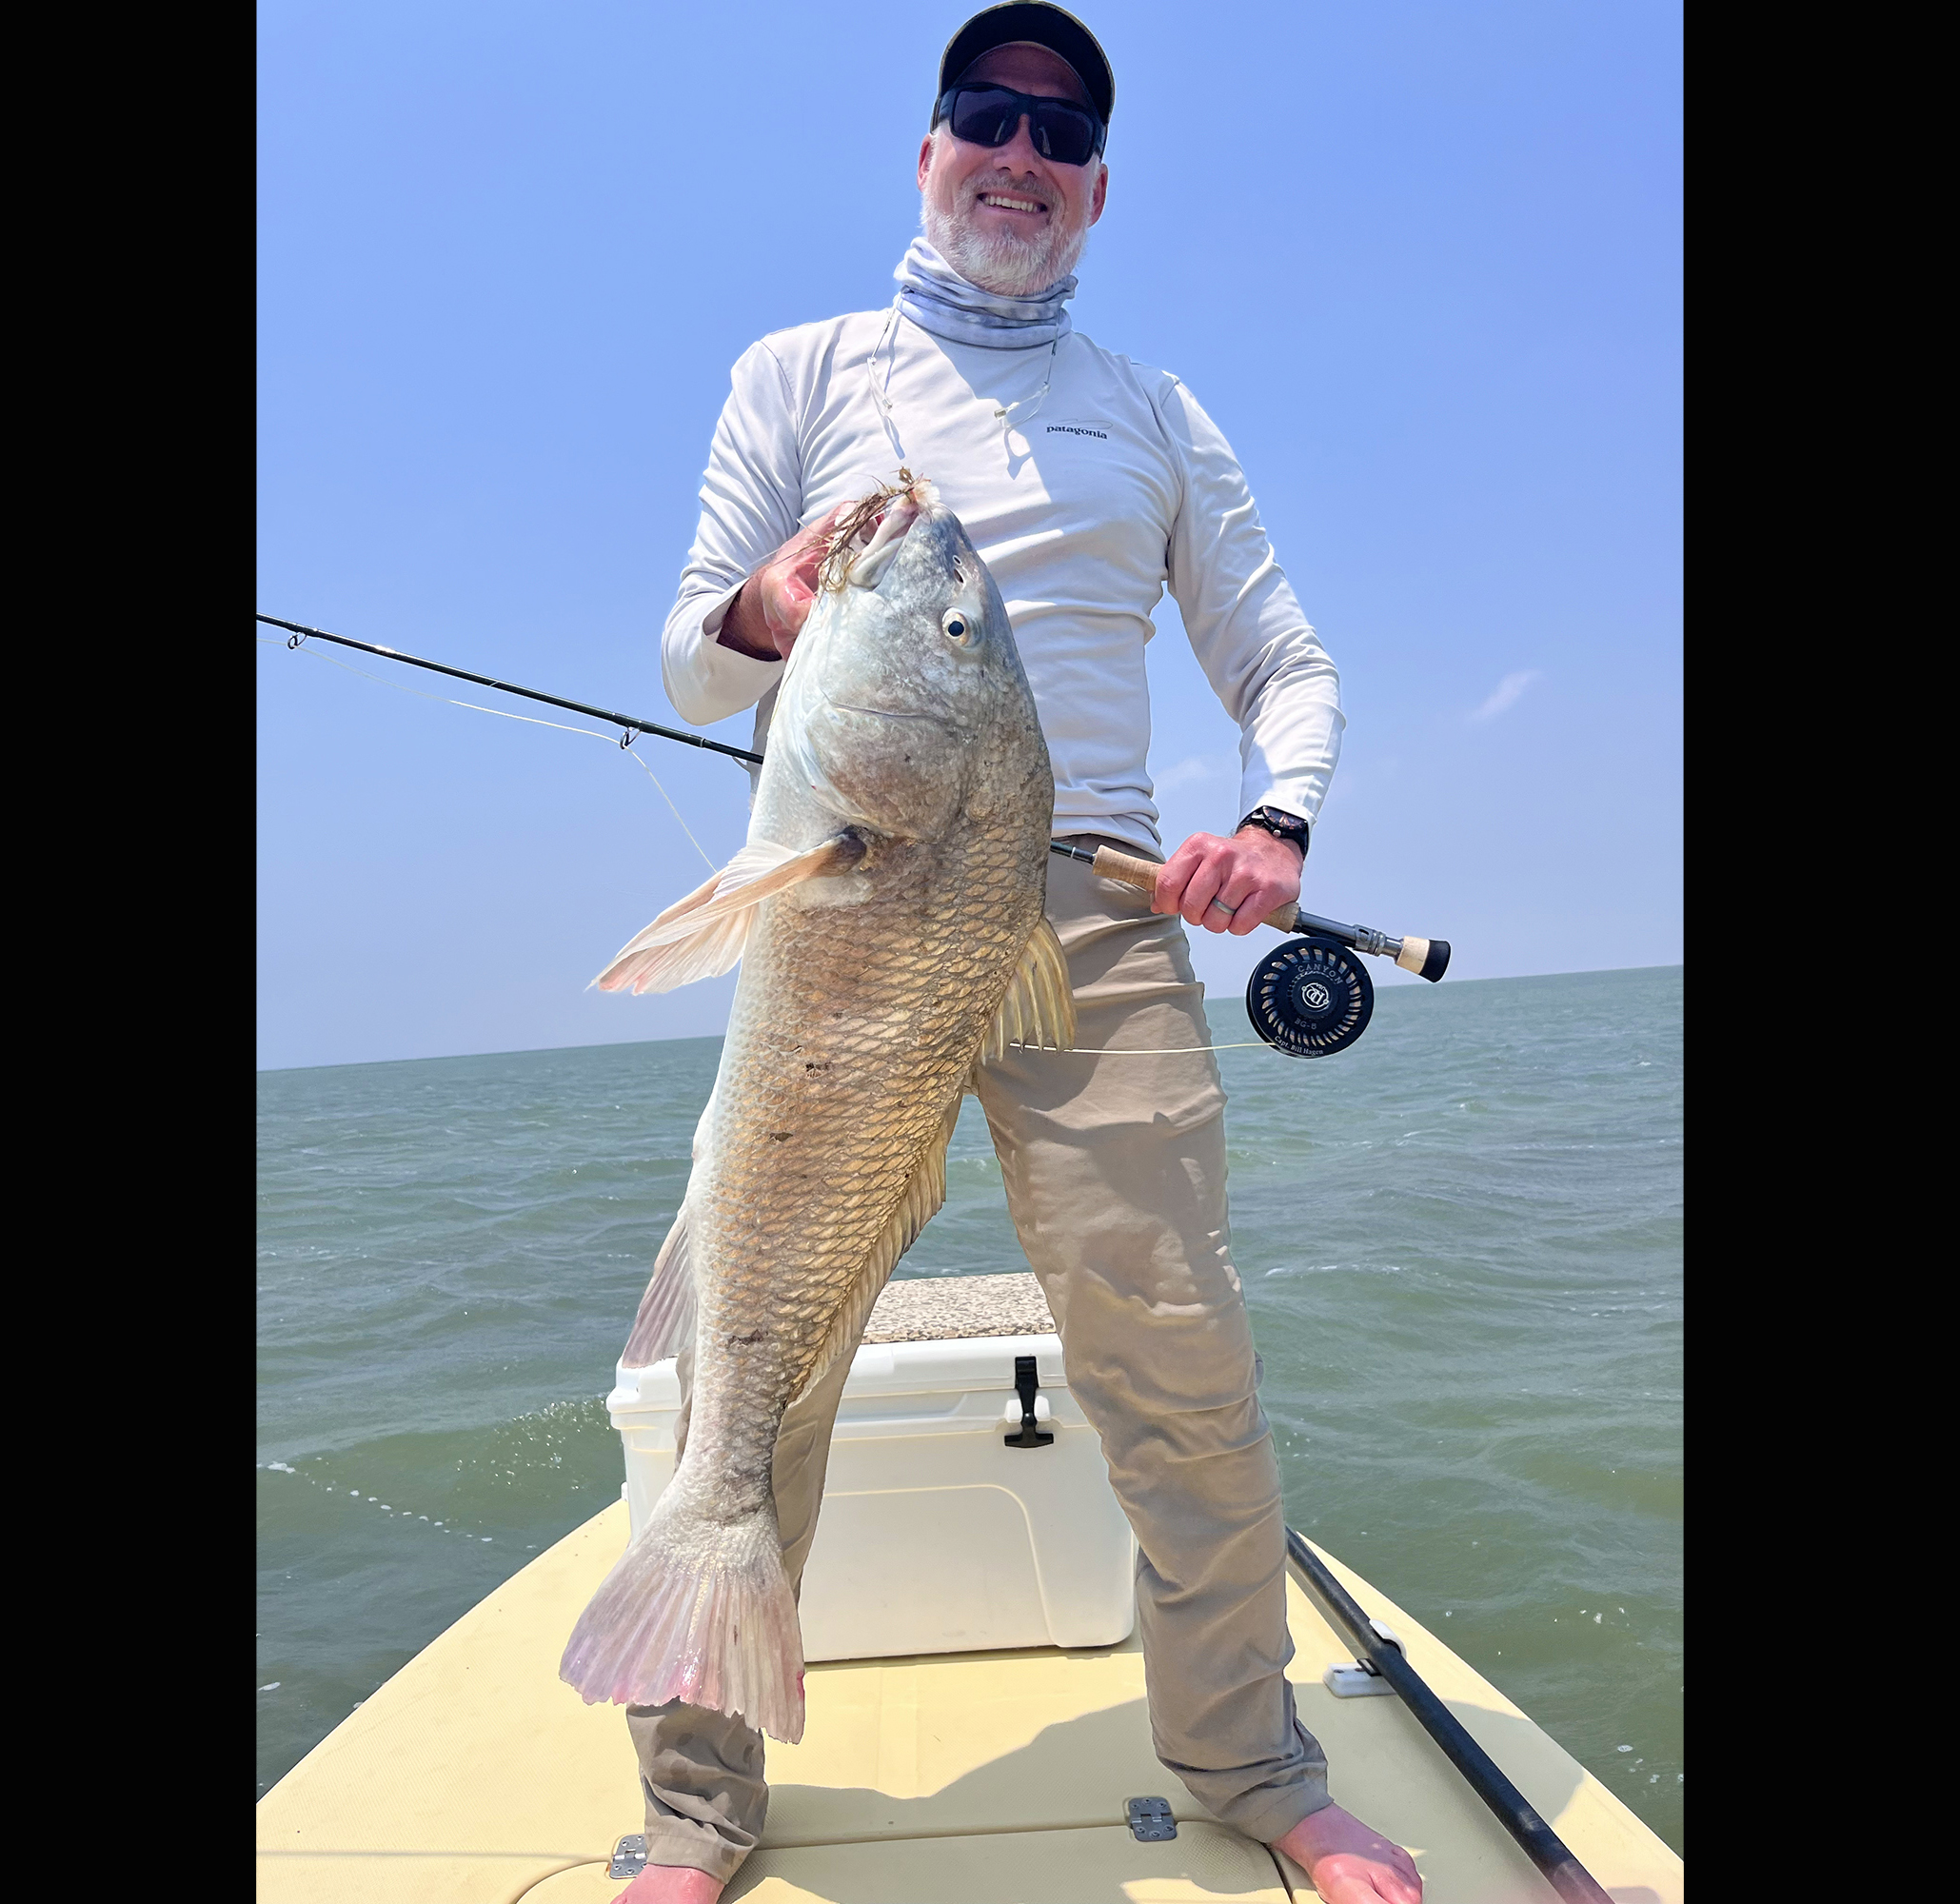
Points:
point(1538, 1841)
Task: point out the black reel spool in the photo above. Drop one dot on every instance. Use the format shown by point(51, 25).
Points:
point(1309, 998)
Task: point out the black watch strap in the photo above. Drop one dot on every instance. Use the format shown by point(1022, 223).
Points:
point(1281, 826)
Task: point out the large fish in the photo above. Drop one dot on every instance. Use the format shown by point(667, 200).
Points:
point(887, 912)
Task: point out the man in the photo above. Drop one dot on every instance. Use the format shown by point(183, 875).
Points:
point(1087, 482)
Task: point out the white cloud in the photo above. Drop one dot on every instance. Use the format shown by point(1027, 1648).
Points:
point(1506, 693)
point(1193, 770)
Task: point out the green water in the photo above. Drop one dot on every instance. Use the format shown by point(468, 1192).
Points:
point(1460, 1241)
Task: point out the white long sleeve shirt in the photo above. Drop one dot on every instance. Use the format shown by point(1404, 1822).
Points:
point(1113, 487)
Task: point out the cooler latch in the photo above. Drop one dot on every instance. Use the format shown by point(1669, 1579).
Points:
point(1026, 1386)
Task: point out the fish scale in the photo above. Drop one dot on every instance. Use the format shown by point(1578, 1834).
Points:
point(917, 1010)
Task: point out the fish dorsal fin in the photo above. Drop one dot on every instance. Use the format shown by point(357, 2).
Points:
point(923, 1196)
point(703, 936)
point(1039, 1009)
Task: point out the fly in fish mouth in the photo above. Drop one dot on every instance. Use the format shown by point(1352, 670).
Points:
point(873, 526)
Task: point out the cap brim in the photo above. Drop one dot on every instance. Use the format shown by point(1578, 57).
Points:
point(1045, 25)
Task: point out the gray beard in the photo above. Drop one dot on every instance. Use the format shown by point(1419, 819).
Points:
point(1004, 264)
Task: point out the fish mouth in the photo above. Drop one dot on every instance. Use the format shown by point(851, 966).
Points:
point(868, 569)
point(926, 530)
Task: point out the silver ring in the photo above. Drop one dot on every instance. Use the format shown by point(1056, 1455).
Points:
point(1230, 911)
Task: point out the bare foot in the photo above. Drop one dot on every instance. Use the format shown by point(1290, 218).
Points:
point(1350, 1862)
point(671, 1884)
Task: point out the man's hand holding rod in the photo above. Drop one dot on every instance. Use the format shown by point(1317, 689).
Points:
point(1230, 885)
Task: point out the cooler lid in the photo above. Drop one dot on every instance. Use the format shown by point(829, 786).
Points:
point(963, 1366)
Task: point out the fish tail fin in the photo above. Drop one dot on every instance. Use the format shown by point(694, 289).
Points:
point(696, 1610)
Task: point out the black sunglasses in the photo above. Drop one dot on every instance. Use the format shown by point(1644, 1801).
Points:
point(987, 115)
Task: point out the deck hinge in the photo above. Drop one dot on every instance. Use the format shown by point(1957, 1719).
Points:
point(1027, 1385)
point(628, 1857)
point(1150, 1819)
point(1363, 1680)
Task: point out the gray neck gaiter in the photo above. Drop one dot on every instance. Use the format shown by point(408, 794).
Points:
point(937, 298)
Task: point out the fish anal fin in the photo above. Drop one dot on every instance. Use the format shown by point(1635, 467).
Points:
point(925, 1194)
point(1039, 1008)
point(703, 936)
point(665, 1322)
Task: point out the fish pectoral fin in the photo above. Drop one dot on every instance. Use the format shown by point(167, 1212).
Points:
point(925, 1195)
point(664, 1325)
point(693, 903)
point(1039, 1009)
point(703, 936)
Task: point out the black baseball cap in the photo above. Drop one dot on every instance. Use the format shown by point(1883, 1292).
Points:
point(1045, 25)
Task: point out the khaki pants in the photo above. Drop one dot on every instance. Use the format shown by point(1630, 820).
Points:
point(1114, 1172)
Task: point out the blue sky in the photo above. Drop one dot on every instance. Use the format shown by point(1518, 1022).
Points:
point(1422, 264)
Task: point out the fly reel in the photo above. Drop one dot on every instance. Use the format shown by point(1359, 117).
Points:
point(1309, 998)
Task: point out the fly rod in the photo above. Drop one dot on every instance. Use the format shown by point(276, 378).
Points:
point(298, 632)
point(1307, 999)
point(1382, 1655)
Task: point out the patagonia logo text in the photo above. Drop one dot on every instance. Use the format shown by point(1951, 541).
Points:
point(1077, 429)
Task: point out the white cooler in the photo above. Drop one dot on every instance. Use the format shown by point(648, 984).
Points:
point(935, 1537)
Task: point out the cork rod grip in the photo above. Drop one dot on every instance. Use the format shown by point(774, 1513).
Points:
point(1413, 954)
point(1109, 864)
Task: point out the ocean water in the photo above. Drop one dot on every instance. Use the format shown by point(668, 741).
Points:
point(1460, 1241)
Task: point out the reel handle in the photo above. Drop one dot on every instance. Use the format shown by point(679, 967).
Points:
point(1427, 958)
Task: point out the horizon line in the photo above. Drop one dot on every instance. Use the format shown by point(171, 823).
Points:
point(695, 1037)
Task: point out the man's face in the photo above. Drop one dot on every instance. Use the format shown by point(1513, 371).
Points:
point(1002, 216)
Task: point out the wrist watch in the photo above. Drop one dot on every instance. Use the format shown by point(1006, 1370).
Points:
point(1281, 826)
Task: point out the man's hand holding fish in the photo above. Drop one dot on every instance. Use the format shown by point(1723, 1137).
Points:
point(946, 674)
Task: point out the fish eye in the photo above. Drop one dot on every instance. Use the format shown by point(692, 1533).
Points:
point(959, 627)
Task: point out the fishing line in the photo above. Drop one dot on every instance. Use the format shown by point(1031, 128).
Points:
point(623, 747)
point(1129, 1051)
point(671, 808)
